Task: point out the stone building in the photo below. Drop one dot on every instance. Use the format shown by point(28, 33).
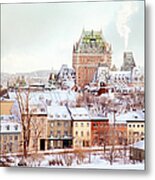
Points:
point(59, 127)
point(137, 151)
point(135, 125)
point(10, 135)
point(81, 127)
point(88, 52)
point(128, 62)
point(66, 77)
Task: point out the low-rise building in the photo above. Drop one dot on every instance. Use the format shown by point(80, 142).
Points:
point(137, 151)
point(38, 128)
point(66, 77)
point(118, 133)
point(10, 135)
point(59, 127)
point(81, 127)
point(135, 125)
point(99, 131)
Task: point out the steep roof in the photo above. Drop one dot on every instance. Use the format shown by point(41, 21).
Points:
point(91, 42)
point(58, 113)
point(79, 113)
point(131, 116)
point(139, 145)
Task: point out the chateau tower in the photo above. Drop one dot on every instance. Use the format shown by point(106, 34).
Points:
point(88, 52)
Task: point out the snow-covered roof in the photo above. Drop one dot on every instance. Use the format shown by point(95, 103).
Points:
point(58, 113)
point(99, 118)
point(79, 113)
point(43, 97)
point(131, 116)
point(139, 145)
point(123, 121)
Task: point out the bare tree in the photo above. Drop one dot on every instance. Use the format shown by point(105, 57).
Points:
point(30, 127)
point(23, 99)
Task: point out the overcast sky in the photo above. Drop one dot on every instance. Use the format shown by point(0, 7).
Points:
point(41, 36)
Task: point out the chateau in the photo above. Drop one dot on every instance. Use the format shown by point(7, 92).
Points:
point(88, 52)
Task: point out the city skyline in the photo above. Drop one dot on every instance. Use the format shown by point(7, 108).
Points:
point(41, 36)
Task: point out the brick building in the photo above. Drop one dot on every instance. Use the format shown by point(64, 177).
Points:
point(88, 52)
point(99, 131)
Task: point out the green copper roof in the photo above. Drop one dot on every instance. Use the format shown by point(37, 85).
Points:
point(92, 42)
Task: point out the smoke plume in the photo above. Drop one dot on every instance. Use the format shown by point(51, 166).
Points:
point(124, 14)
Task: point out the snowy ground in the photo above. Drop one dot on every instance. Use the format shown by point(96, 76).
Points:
point(93, 160)
point(96, 162)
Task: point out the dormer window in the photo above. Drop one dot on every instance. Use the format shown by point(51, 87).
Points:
point(16, 127)
point(8, 127)
point(57, 115)
point(64, 115)
point(42, 110)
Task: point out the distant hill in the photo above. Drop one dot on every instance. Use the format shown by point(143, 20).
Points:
point(38, 76)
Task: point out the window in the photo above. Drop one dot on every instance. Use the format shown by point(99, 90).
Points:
point(16, 138)
point(137, 125)
point(87, 124)
point(16, 127)
point(51, 133)
point(76, 124)
point(51, 115)
point(57, 115)
point(142, 125)
point(76, 133)
point(87, 133)
point(134, 125)
point(7, 127)
point(82, 133)
point(42, 109)
point(142, 133)
point(59, 124)
point(52, 124)
point(65, 133)
point(10, 138)
point(81, 124)
point(5, 138)
point(64, 115)
point(66, 124)
point(95, 125)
